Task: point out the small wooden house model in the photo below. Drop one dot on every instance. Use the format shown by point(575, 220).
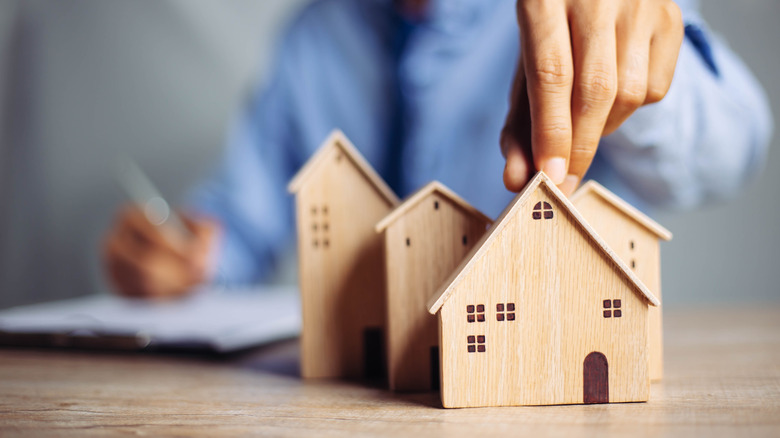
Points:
point(541, 312)
point(426, 237)
point(339, 200)
point(634, 237)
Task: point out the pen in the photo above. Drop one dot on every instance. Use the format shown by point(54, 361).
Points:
point(142, 191)
point(156, 209)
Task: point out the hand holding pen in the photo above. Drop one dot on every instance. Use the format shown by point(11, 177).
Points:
point(151, 251)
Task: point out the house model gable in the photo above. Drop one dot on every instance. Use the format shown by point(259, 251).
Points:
point(540, 182)
point(338, 145)
point(434, 187)
point(593, 188)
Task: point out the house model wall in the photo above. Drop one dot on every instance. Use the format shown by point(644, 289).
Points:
point(426, 237)
point(339, 200)
point(634, 237)
point(542, 311)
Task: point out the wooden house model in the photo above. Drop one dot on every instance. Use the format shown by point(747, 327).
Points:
point(634, 237)
point(426, 237)
point(542, 311)
point(339, 198)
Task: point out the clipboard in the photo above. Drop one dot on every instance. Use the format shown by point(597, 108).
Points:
point(210, 320)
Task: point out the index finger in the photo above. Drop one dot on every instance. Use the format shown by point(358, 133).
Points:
point(516, 135)
point(547, 56)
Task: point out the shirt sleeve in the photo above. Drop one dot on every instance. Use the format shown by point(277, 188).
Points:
point(706, 139)
point(248, 193)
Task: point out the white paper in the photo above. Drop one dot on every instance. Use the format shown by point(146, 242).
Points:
point(219, 320)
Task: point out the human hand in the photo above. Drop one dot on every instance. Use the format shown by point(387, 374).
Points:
point(586, 66)
point(145, 260)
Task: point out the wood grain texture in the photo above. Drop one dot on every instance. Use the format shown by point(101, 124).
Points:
point(571, 299)
point(591, 187)
point(635, 238)
point(426, 237)
point(339, 198)
point(539, 179)
point(337, 139)
point(722, 380)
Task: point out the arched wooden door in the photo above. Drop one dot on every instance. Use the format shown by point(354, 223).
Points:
point(596, 379)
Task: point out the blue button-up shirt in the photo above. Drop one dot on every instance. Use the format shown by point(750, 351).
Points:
point(427, 100)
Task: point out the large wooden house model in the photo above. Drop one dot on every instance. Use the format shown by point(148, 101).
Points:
point(339, 199)
point(426, 237)
point(541, 311)
point(635, 238)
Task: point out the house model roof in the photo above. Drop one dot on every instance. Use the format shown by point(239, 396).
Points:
point(481, 248)
point(624, 207)
point(338, 140)
point(420, 195)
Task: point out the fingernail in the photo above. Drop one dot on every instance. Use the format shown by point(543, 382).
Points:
point(515, 177)
point(555, 168)
point(569, 184)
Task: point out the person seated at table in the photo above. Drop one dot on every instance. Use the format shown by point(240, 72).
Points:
point(637, 94)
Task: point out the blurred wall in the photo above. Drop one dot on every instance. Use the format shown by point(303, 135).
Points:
point(86, 79)
point(81, 81)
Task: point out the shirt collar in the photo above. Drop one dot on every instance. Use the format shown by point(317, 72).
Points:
point(449, 16)
point(457, 16)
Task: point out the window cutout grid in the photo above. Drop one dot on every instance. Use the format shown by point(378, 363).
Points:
point(475, 313)
point(475, 344)
point(320, 227)
point(542, 209)
point(505, 312)
point(612, 308)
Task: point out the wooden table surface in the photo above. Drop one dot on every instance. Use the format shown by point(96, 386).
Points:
point(722, 379)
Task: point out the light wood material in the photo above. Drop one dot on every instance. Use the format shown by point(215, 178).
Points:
point(593, 188)
point(722, 380)
point(339, 199)
point(426, 237)
point(559, 275)
point(635, 239)
point(321, 158)
point(540, 178)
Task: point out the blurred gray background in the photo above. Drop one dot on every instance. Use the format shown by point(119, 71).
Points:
point(83, 80)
